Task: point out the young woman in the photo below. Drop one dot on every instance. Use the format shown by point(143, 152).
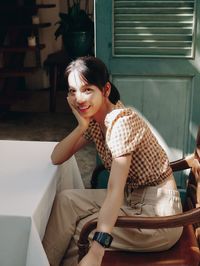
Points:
point(140, 182)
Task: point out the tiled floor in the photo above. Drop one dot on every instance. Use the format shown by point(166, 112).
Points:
point(29, 119)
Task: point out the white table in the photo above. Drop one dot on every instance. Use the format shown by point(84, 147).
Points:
point(28, 184)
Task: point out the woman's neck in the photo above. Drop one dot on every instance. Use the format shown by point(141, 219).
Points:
point(106, 108)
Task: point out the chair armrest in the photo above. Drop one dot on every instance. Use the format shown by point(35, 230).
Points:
point(179, 165)
point(188, 217)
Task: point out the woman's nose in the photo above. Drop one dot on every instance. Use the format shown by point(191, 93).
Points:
point(79, 97)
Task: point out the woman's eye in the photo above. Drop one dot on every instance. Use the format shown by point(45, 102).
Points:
point(88, 90)
point(71, 92)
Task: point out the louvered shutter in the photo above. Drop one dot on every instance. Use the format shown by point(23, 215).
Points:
point(160, 28)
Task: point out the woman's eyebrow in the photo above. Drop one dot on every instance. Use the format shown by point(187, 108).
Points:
point(86, 85)
point(82, 87)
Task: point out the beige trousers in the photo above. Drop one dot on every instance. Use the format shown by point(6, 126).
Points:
point(72, 208)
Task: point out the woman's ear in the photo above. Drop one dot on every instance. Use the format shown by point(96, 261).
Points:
point(107, 89)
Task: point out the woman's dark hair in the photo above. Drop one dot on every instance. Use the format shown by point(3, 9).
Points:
point(94, 72)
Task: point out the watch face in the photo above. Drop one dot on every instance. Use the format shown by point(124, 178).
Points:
point(107, 241)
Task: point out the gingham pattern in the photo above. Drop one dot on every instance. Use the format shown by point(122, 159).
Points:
point(128, 133)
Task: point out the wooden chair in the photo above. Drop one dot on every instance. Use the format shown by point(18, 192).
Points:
point(185, 252)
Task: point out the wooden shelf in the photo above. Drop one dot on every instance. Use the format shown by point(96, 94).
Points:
point(8, 72)
point(46, 5)
point(15, 29)
point(21, 49)
point(14, 8)
point(31, 26)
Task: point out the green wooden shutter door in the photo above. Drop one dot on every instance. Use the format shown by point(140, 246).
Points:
point(152, 50)
point(160, 28)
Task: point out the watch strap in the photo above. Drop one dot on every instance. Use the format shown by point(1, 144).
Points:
point(104, 239)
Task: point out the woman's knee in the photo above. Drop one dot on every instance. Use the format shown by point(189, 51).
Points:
point(63, 203)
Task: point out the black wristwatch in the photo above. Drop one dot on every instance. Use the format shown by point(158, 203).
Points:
point(103, 239)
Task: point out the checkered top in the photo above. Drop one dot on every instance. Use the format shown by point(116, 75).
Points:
point(128, 133)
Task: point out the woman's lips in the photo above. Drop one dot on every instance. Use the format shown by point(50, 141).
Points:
point(83, 108)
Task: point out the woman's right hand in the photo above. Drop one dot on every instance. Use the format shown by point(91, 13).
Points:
point(83, 122)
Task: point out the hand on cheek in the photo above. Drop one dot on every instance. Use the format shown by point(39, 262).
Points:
point(83, 122)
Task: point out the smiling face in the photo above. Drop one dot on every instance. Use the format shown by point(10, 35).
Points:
point(88, 99)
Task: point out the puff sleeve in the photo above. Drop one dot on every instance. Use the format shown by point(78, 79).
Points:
point(125, 131)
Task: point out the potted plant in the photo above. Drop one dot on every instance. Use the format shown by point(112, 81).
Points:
point(77, 30)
